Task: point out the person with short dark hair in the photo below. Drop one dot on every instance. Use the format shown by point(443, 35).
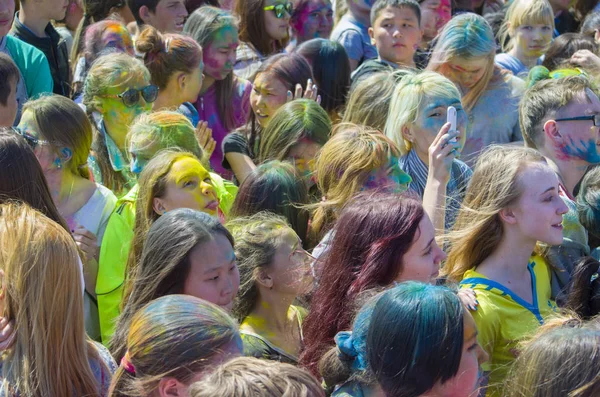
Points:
point(167, 16)
point(8, 90)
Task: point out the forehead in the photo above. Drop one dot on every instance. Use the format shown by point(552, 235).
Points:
point(314, 5)
point(432, 102)
point(536, 178)
point(129, 79)
point(266, 80)
point(186, 166)
point(468, 65)
point(391, 12)
point(225, 35)
point(165, 3)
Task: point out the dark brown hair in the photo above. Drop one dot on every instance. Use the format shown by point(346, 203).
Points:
point(10, 77)
point(252, 27)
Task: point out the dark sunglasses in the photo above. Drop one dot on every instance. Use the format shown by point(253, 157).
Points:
point(31, 140)
point(132, 96)
point(280, 9)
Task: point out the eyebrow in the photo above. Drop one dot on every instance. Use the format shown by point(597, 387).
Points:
point(548, 190)
point(436, 105)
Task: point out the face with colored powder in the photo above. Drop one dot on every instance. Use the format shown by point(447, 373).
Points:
point(46, 154)
point(315, 20)
point(276, 28)
point(213, 273)
point(467, 72)
point(188, 186)
point(434, 15)
point(302, 155)
point(389, 179)
point(220, 53)
point(578, 139)
point(116, 37)
point(268, 94)
point(431, 117)
point(290, 270)
point(396, 34)
point(532, 40)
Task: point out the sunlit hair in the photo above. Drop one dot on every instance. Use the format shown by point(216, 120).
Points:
point(167, 54)
point(564, 361)
point(343, 166)
point(544, 97)
point(466, 36)
point(524, 12)
point(294, 122)
point(164, 264)
point(51, 354)
point(373, 233)
point(203, 25)
point(252, 27)
point(249, 376)
point(176, 336)
point(65, 125)
point(257, 238)
point(564, 46)
point(369, 100)
point(495, 185)
point(412, 92)
point(276, 187)
point(108, 71)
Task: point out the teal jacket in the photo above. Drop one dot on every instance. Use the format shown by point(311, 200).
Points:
point(32, 64)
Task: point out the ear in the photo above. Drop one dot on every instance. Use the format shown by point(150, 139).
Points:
point(66, 154)
point(158, 206)
point(507, 215)
point(171, 387)
point(144, 13)
point(552, 134)
point(263, 278)
point(407, 133)
point(372, 35)
point(181, 80)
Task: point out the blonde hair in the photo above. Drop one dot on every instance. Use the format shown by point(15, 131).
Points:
point(44, 297)
point(495, 185)
point(343, 166)
point(249, 376)
point(408, 99)
point(467, 36)
point(524, 12)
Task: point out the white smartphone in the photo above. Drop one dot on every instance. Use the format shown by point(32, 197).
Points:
point(451, 118)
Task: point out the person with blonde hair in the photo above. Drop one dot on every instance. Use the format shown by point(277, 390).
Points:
point(417, 121)
point(274, 272)
point(491, 246)
point(525, 35)
point(42, 292)
point(464, 53)
point(249, 376)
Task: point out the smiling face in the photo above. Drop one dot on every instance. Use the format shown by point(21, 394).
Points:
point(220, 53)
point(467, 72)
point(396, 34)
point(7, 12)
point(268, 95)
point(315, 20)
point(188, 186)
point(276, 28)
point(168, 17)
point(213, 274)
point(532, 40)
point(117, 37)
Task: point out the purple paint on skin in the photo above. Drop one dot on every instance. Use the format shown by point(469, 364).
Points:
point(315, 20)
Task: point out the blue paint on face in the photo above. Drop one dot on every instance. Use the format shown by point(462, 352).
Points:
point(587, 151)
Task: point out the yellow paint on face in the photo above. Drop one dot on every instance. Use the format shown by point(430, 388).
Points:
point(189, 186)
point(186, 168)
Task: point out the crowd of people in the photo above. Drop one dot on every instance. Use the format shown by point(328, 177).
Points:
point(300, 198)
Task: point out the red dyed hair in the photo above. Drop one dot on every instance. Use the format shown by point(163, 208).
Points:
point(371, 236)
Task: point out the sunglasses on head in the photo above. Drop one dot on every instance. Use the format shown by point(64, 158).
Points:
point(30, 139)
point(280, 9)
point(132, 96)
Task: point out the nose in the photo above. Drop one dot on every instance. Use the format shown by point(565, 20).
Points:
point(227, 287)
point(482, 355)
point(441, 255)
point(207, 189)
point(396, 33)
point(562, 208)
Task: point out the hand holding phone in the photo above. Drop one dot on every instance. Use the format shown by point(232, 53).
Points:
point(451, 118)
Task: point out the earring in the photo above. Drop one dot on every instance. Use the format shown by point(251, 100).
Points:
point(58, 163)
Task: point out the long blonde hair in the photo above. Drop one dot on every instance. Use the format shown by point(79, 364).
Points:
point(44, 297)
point(494, 186)
point(524, 12)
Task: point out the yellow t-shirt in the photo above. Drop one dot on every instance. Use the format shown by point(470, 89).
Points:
point(504, 319)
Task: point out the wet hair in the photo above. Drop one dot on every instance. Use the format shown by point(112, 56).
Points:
point(564, 46)
point(252, 27)
point(10, 78)
point(381, 5)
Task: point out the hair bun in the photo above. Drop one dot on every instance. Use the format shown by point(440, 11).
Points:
point(345, 345)
point(150, 41)
point(537, 73)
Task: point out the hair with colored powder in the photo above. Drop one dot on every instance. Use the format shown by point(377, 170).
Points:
point(257, 238)
point(524, 12)
point(369, 100)
point(290, 70)
point(252, 27)
point(564, 361)
point(301, 120)
point(164, 264)
point(10, 78)
point(175, 336)
point(43, 294)
point(544, 97)
point(275, 186)
point(249, 376)
point(590, 24)
point(22, 178)
point(108, 71)
point(381, 5)
point(65, 125)
point(165, 55)
point(467, 36)
point(331, 69)
point(406, 339)
point(343, 166)
point(495, 185)
point(412, 92)
point(564, 46)
point(204, 25)
point(371, 236)
point(588, 205)
point(152, 132)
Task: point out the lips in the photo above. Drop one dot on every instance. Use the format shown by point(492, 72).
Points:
point(558, 226)
point(212, 206)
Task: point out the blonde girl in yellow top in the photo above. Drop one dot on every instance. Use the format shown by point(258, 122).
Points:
point(511, 204)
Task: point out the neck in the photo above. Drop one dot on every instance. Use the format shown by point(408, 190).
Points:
point(362, 17)
point(407, 64)
point(512, 254)
point(273, 308)
point(206, 84)
point(528, 61)
point(60, 182)
point(423, 156)
point(36, 23)
point(166, 100)
point(570, 171)
point(118, 132)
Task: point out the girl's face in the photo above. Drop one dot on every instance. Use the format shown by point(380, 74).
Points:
point(117, 38)
point(193, 84)
point(532, 40)
point(314, 21)
point(302, 155)
point(268, 95)
point(431, 117)
point(290, 270)
point(434, 15)
point(213, 274)
point(467, 378)
point(390, 178)
point(276, 28)
point(219, 53)
point(188, 186)
point(46, 154)
point(539, 186)
point(467, 72)
point(422, 260)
